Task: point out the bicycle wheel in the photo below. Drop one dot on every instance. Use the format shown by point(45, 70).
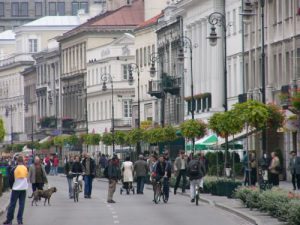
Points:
point(74, 192)
point(157, 193)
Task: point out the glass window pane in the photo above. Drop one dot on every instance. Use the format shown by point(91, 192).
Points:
point(24, 9)
point(1, 8)
point(52, 8)
point(85, 6)
point(61, 8)
point(38, 9)
point(15, 9)
point(75, 7)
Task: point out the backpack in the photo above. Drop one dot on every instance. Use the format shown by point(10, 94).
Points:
point(194, 168)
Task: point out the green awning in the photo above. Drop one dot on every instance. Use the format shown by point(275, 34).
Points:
point(204, 143)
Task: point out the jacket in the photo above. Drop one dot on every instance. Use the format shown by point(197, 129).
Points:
point(295, 166)
point(77, 167)
point(177, 164)
point(140, 168)
point(68, 169)
point(201, 172)
point(112, 171)
point(31, 175)
point(92, 167)
point(275, 163)
point(127, 171)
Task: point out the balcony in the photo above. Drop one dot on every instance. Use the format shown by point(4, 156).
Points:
point(123, 123)
point(155, 88)
point(171, 84)
point(15, 58)
point(47, 122)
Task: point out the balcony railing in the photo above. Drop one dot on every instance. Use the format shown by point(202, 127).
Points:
point(15, 58)
point(123, 122)
point(155, 89)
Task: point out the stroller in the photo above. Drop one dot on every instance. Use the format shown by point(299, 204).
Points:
point(128, 187)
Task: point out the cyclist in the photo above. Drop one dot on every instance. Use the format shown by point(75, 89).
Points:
point(77, 169)
point(195, 171)
point(162, 170)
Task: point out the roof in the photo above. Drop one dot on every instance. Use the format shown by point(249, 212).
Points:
point(150, 22)
point(7, 35)
point(54, 21)
point(125, 17)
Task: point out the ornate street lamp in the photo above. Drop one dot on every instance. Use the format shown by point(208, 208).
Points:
point(108, 78)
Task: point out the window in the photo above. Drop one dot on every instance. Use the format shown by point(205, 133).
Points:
point(279, 10)
point(52, 8)
point(149, 55)
point(234, 21)
point(61, 8)
point(14, 9)
point(125, 71)
point(228, 21)
point(137, 57)
point(287, 8)
point(240, 19)
point(145, 56)
point(32, 45)
point(141, 57)
point(24, 9)
point(79, 5)
point(1, 8)
point(127, 108)
point(38, 9)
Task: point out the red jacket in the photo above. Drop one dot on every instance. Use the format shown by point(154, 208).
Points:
point(55, 161)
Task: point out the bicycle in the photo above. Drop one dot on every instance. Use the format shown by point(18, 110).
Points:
point(76, 188)
point(159, 192)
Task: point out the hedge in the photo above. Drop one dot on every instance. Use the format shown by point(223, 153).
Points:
point(278, 203)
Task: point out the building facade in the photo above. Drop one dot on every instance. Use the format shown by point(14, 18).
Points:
point(17, 13)
point(96, 32)
point(110, 61)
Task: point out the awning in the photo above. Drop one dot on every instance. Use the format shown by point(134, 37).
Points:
point(204, 143)
point(45, 139)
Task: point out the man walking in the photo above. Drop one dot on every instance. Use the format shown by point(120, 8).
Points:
point(68, 172)
point(37, 175)
point(180, 167)
point(113, 173)
point(294, 167)
point(89, 170)
point(18, 183)
point(140, 169)
point(55, 165)
point(195, 171)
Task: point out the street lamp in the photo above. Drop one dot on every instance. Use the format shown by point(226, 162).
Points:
point(108, 78)
point(32, 124)
point(133, 67)
point(10, 109)
point(247, 14)
point(219, 19)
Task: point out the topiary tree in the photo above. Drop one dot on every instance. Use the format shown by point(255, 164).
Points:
point(192, 129)
point(2, 130)
point(154, 135)
point(169, 134)
point(90, 139)
point(135, 135)
point(107, 139)
point(276, 117)
point(120, 138)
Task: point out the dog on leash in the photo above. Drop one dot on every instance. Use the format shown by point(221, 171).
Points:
point(46, 194)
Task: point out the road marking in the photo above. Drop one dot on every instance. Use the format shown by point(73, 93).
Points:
point(116, 221)
point(115, 217)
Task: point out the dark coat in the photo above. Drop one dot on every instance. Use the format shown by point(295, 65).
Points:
point(77, 167)
point(201, 170)
point(92, 167)
point(68, 169)
point(295, 166)
point(112, 171)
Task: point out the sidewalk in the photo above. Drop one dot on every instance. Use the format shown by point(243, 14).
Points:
point(4, 202)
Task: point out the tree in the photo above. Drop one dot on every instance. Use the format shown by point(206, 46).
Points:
point(107, 139)
point(2, 130)
point(191, 129)
point(154, 135)
point(120, 138)
point(135, 135)
point(90, 139)
point(276, 117)
point(169, 134)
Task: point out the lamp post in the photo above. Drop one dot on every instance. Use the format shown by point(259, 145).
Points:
point(133, 67)
point(10, 109)
point(219, 19)
point(108, 78)
point(186, 42)
point(32, 124)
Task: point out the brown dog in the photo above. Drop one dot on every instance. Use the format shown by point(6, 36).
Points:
point(46, 194)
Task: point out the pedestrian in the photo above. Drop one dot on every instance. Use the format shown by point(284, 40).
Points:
point(68, 172)
point(19, 185)
point(89, 170)
point(55, 165)
point(180, 167)
point(77, 168)
point(47, 164)
point(37, 175)
point(113, 173)
point(102, 163)
point(294, 168)
point(195, 171)
point(141, 170)
point(246, 169)
point(274, 170)
point(127, 173)
point(51, 165)
point(253, 169)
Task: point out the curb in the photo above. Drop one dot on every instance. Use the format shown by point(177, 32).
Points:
point(6, 204)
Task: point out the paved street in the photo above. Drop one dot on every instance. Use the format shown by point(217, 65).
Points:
point(129, 210)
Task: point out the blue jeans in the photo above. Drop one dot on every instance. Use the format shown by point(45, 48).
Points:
point(15, 196)
point(166, 188)
point(140, 184)
point(88, 181)
point(70, 185)
point(52, 170)
point(55, 170)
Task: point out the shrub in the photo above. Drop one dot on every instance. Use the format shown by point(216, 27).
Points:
point(294, 212)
